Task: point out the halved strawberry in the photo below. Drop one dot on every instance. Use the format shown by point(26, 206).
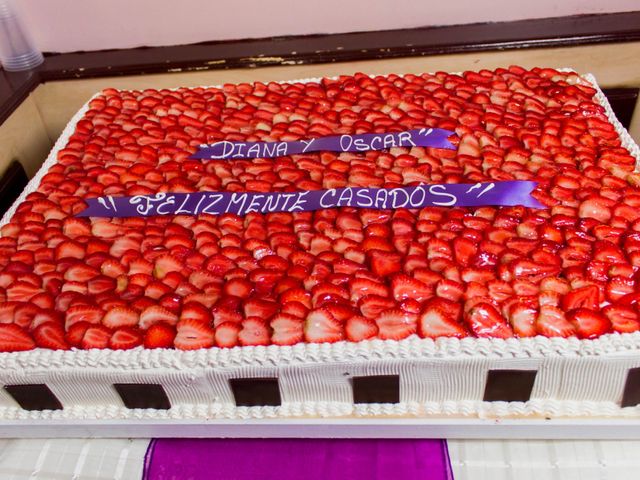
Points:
point(623, 319)
point(589, 323)
point(321, 327)
point(360, 328)
point(82, 313)
point(120, 317)
point(166, 264)
point(287, 329)
point(125, 338)
point(440, 318)
point(96, 336)
point(193, 335)
point(226, 334)
point(159, 335)
point(155, 314)
point(50, 335)
point(552, 322)
point(584, 297)
point(485, 321)
point(396, 324)
point(14, 339)
point(255, 331)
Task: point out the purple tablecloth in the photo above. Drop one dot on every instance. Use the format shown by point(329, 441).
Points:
point(289, 459)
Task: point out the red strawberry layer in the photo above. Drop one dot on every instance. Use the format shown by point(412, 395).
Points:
point(330, 275)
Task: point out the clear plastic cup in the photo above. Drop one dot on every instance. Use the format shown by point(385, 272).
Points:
point(17, 51)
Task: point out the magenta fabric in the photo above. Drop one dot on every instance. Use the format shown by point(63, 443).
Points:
point(289, 459)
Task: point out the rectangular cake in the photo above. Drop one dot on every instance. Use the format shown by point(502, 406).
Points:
point(491, 309)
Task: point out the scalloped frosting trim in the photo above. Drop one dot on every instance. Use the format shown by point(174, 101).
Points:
point(533, 409)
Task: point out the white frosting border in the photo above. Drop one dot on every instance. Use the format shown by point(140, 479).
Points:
point(414, 348)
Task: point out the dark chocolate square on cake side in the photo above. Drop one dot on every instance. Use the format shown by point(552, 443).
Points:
point(631, 395)
point(509, 385)
point(34, 397)
point(256, 392)
point(376, 389)
point(137, 395)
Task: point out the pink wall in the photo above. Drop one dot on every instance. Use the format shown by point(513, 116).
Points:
point(68, 25)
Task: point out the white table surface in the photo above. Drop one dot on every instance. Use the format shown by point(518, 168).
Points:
point(123, 459)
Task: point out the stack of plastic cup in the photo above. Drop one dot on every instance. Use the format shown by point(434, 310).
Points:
point(17, 51)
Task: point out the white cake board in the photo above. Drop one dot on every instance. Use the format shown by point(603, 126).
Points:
point(328, 428)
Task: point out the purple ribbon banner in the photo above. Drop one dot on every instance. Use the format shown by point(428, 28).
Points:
point(509, 193)
point(423, 137)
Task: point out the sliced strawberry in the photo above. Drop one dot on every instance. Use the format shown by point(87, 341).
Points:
point(125, 338)
point(80, 272)
point(440, 319)
point(371, 306)
point(201, 278)
point(50, 335)
point(396, 324)
point(321, 327)
point(154, 314)
point(21, 291)
point(166, 264)
point(159, 335)
point(255, 331)
point(223, 314)
point(24, 314)
point(485, 321)
point(226, 334)
point(7, 310)
point(193, 335)
point(140, 265)
point(96, 336)
point(287, 329)
point(360, 328)
point(589, 323)
point(404, 287)
point(299, 295)
point(623, 319)
point(552, 322)
point(44, 316)
point(196, 311)
point(112, 268)
point(14, 339)
point(254, 307)
point(101, 284)
point(76, 332)
point(522, 318)
point(384, 263)
point(120, 317)
point(69, 249)
point(584, 297)
point(82, 313)
point(238, 287)
point(43, 300)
